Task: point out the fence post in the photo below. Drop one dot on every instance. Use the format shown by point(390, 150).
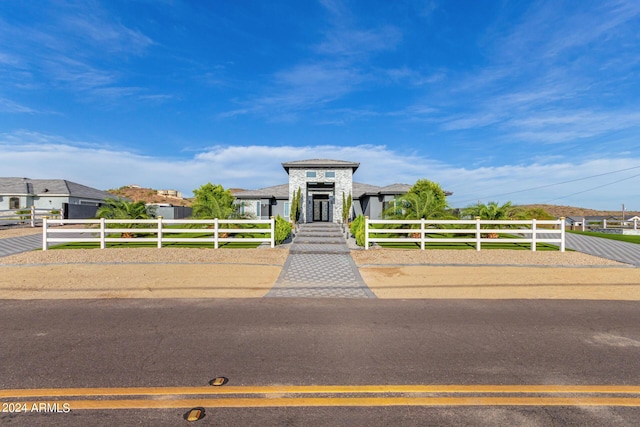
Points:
point(562, 234)
point(584, 224)
point(604, 223)
point(45, 245)
point(478, 244)
point(33, 216)
point(215, 233)
point(102, 233)
point(533, 234)
point(160, 231)
point(422, 234)
point(366, 233)
point(273, 232)
point(635, 224)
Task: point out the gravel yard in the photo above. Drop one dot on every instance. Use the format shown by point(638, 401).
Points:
point(259, 256)
point(268, 256)
point(15, 231)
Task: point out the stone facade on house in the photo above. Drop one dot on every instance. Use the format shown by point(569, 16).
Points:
point(322, 183)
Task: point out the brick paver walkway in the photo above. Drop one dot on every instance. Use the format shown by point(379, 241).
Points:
point(320, 265)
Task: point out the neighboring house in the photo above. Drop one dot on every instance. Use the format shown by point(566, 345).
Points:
point(322, 183)
point(47, 194)
point(576, 221)
point(168, 211)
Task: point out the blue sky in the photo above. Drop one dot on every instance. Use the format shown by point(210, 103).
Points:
point(527, 101)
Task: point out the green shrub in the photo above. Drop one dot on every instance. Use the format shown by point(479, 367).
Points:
point(24, 214)
point(283, 230)
point(359, 220)
point(357, 229)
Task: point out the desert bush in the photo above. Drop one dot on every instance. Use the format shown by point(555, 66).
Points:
point(357, 229)
point(283, 230)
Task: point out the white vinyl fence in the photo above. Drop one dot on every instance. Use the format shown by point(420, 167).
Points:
point(525, 231)
point(31, 216)
point(608, 224)
point(102, 231)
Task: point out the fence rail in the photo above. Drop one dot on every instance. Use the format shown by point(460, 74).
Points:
point(608, 224)
point(31, 216)
point(104, 229)
point(527, 231)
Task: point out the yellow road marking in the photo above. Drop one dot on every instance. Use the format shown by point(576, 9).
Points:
point(346, 402)
point(318, 389)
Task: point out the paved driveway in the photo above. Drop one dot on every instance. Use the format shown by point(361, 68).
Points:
point(628, 253)
point(16, 245)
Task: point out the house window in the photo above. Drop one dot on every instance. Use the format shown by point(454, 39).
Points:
point(258, 211)
point(330, 174)
point(311, 174)
point(287, 209)
point(14, 203)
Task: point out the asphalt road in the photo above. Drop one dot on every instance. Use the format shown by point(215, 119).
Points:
point(267, 347)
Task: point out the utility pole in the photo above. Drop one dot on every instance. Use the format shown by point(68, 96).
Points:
point(623, 211)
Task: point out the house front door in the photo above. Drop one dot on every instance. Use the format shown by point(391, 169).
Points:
point(320, 210)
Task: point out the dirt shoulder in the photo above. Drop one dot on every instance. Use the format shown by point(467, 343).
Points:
point(79, 281)
point(496, 274)
point(502, 282)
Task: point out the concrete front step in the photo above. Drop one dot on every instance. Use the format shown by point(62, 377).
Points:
point(320, 226)
point(320, 240)
point(332, 234)
point(319, 231)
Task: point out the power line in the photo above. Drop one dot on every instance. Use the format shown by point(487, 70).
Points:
point(590, 189)
point(551, 185)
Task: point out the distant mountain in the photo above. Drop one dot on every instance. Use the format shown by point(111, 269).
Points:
point(566, 211)
point(148, 195)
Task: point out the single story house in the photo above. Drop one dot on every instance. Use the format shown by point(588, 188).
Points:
point(47, 194)
point(576, 221)
point(322, 184)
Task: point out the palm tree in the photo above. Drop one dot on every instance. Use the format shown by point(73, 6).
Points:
point(213, 201)
point(490, 211)
point(417, 206)
point(212, 208)
point(412, 206)
point(122, 209)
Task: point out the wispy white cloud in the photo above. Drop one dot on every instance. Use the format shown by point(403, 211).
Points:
point(413, 77)
point(564, 126)
point(336, 70)
point(306, 86)
point(103, 31)
point(544, 80)
point(255, 166)
point(355, 43)
point(8, 106)
point(75, 46)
